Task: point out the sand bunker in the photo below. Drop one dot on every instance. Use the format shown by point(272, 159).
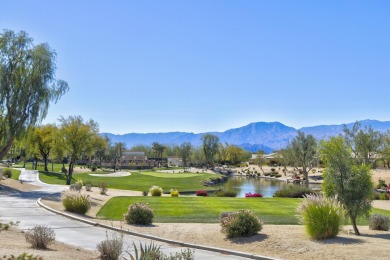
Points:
point(114, 174)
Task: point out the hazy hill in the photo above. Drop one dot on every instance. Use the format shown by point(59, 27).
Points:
point(252, 137)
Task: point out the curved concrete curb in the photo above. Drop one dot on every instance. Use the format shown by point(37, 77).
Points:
point(169, 241)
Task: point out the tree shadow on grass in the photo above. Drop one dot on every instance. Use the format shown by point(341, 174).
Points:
point(248, 240)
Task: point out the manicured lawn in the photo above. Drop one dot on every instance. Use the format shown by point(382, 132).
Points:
point(15, 174)
point(204, 209)
point(208, 209)
point(140, 181)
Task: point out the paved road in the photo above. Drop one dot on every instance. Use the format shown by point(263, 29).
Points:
point(22, 206)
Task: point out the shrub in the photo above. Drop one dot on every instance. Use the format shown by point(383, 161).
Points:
point(153, 251)
point(7, 172)
point(294, 191)
point(241, 224)
point(103, 187)
point(174, 193)
point(75, 202)
point(88, 187)
point(93, 168)
point(145, 193)
point(80, 182)
point(111, 247)
point(383, 196)
point(253, 195)
point(225, 193)
point(139, 213)
point(321, 216)
point(273, 169)
point(75, 187)
point(203, 193)
point(155, 191)
point(379, 222)
point(40, 237)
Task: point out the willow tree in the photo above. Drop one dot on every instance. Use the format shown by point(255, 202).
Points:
point(27, 85)
point(77, 138)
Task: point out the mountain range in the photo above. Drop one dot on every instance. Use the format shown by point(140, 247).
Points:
point(267, 136)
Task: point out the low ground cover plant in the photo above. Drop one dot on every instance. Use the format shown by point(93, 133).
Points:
point(156, 191)
point(294, 191)
point(379, 222)
point(203, 193)
point(40, 237)
point(321, 216)
point(241, 224)
point(139, 214)
point(76, 202)
point(225, 193)
point(253, 195)
point(7, 172)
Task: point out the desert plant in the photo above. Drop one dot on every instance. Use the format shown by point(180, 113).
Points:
point(103, 187)
point(293, 191)
point(383, 196)
point(80, 182)
point(153, 251)
point(88, 187)
point(155, 191)
point(241, 224)
point(40, 237)
point(75, 201)
point(7, 172)
point(379, 222)
point(93, 168)
point(174, 193)
point(75, 187)
point(225, 193)
point(203, 193)
point(111, 247)
point(321, 216)
point(139, 213)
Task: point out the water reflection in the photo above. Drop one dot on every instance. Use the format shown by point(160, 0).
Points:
point(244, 185)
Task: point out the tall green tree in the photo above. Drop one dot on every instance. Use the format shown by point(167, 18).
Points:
point(260, 160)
point(77, 138)
point(43, 140)
point(302, 152)
point(350, 182)
point(236, 155)
point(210, 148)
point(185, 153)
point(365, 143)
point(27, 85)
point(159, 150)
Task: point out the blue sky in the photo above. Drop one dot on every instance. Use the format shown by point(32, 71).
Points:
point(208, 65)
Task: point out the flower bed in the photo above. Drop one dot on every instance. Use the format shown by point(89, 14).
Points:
point(253, 195)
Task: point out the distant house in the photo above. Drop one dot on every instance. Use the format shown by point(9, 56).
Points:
point(271, 159)
point(133, 157)
point(174, 161)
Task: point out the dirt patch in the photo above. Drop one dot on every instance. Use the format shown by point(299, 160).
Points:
point(14, 242)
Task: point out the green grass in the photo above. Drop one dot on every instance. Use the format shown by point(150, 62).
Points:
point(15, 174)
point(204, 209)
point(139, 181)
point(208, 209)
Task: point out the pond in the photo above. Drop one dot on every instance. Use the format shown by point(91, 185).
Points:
point(266, 187)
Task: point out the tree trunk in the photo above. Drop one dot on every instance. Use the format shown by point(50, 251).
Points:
point(70, 173)
point(306, 174)
point(353, 220)
point(45, 161)
point(4, 149)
